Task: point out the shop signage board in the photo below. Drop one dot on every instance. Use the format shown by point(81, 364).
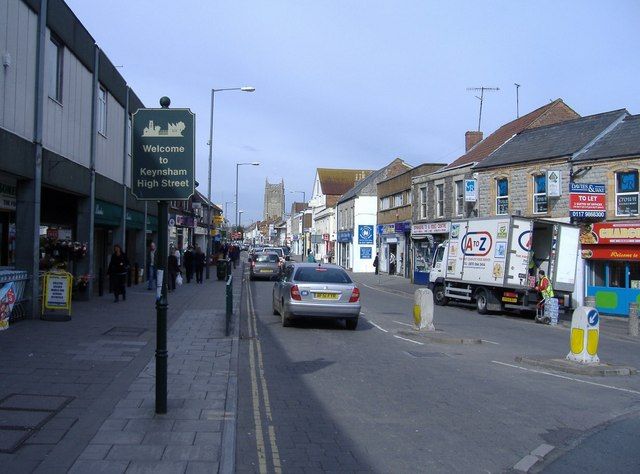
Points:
point(554, 183)
point(344, 236)
point(57, 291)
point(470, 190)
point(430, 228)
point(626, 233)
point(611, 252)
point(587, 201)
point(163, 154)
point(365, 234)
point(366, 253)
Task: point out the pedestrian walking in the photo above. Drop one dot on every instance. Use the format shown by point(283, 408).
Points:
point(189, 259)
point(173, 268)
point(151, 266)
point(392, 264)
point(376, 263)
point(199, 263)
point(310, 257)
point(117, 271)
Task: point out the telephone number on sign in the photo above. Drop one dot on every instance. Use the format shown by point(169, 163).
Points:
point(588, 214)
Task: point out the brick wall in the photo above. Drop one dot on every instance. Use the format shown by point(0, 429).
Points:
point(559, 113)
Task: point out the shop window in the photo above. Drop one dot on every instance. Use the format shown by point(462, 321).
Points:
point(54, 57)
point(617, 274)
point(540, 194)
point(102, 111)
point(627, 193)
point(459, 197)
point(634, 275)
point(423, 203)
point(502, 196)
point(439, 200)
point(598, 273)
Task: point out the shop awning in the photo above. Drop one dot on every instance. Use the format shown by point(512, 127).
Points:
point(107, 214)
point(135, 220)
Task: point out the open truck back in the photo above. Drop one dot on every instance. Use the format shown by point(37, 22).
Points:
point(493, 262)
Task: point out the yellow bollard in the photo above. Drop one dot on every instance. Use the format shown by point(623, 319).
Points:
point(585, 335)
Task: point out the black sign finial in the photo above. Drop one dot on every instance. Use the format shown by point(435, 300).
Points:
point(165, 102)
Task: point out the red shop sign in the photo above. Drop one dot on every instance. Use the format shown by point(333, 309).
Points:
point(611, 252)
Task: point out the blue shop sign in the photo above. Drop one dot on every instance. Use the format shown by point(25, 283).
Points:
point(366, 253)
point(365, 234)
point(344, 236)
point(402, 227)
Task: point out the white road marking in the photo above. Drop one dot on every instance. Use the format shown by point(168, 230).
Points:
point(408, 340)
point(490, 342)
point(374, 324)
point(384, 291)
point(404, 324)
point(627, 390)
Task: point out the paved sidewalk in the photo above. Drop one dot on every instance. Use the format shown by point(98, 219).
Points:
point(611, 326)
point(79, 396)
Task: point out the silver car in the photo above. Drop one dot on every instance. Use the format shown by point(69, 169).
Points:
point(265, 265)
point(316, 291)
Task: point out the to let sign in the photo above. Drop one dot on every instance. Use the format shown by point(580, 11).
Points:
point(587, 201)
point(163, 154)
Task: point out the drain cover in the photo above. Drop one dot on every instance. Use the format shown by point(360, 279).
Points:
point(23, 414)
point(124, 331)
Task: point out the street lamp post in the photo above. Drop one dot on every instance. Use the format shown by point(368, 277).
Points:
point(225, 208)
point(213, 91)
point(239, 220)
point(252, 163)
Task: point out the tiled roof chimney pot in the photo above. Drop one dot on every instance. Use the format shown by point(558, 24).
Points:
point(471, 139)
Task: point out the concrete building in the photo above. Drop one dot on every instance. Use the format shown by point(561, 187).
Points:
point(273, 200)
point(65, 114)
point(441, 196)
point(356, 214)
point(329, 184)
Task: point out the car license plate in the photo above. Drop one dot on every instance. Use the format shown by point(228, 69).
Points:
point(266, 270)
point(327, 296)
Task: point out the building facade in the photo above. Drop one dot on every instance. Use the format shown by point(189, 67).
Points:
point(273, 200)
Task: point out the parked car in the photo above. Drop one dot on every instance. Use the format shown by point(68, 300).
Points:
point(317, 291)
point(265, 265)
point(277, 250)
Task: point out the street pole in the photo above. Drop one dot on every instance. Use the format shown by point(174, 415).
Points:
point(236, 196)
point(161, 300)
point(208, 250)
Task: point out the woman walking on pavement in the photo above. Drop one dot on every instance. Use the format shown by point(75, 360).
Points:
point(173, 268)
point(117, 271)
point(151, 266)
point(199, 264)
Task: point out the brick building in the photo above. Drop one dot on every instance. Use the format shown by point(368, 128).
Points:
point(440, 196)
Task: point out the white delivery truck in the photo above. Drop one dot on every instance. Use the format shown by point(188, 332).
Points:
point(493, 262)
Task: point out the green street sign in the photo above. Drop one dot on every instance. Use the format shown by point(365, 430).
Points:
point(163, 154)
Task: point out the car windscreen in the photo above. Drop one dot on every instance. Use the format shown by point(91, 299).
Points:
point(267, 257)
point(278, 251)
point(321, 275)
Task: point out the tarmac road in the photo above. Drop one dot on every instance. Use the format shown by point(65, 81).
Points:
point(319, 398)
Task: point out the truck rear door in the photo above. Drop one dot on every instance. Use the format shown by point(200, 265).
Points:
point(519, 246)
point(566, 258)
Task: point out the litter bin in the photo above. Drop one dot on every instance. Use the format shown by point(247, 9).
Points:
point(221, 269)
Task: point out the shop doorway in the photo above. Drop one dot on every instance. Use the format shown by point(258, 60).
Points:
point(393, 258)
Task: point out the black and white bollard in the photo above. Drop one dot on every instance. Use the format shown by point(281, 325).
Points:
point(423, 310)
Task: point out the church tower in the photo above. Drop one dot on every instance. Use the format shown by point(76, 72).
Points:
point(273, 200)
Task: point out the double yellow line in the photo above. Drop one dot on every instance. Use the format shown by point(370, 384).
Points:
point(257, 372)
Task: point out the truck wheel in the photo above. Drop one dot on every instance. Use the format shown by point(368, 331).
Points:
point(438, 295)
point(482, 301)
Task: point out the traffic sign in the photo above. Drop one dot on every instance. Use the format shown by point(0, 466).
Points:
point(163, 154)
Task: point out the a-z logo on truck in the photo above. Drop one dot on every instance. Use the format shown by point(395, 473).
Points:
point(477, 244)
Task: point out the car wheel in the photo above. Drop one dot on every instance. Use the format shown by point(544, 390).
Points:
point(351, 323)
point(286, 319)
point(273, 306)
point(438, 295)
point(482, 301)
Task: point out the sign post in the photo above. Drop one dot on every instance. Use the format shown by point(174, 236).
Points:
point(162, 169)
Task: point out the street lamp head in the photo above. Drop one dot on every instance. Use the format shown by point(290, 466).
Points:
point(248, 89)
point(255, 163)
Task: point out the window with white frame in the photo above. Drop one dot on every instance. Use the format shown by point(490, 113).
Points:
point(102, 110)
point(502, 196)
point(54, 55)
point(385, 203)
point(440, 200)
point(627, 193)
point(423, 203)
point(409, 198)
point(397, 200)
point(540, 204)
point(459, 188)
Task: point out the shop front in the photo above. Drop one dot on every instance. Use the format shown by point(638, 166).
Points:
point(394, 257)
point(344, 238)
point(425, 238)
point(611, 252)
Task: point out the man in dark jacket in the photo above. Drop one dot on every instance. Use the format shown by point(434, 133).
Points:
point(188, 263)
point(117, 271)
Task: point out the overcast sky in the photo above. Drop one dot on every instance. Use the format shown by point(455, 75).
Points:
point(355, 84)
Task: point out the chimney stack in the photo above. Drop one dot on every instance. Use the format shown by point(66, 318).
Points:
point(471, 139)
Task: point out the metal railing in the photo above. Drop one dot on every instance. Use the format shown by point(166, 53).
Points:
point(229, 305)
